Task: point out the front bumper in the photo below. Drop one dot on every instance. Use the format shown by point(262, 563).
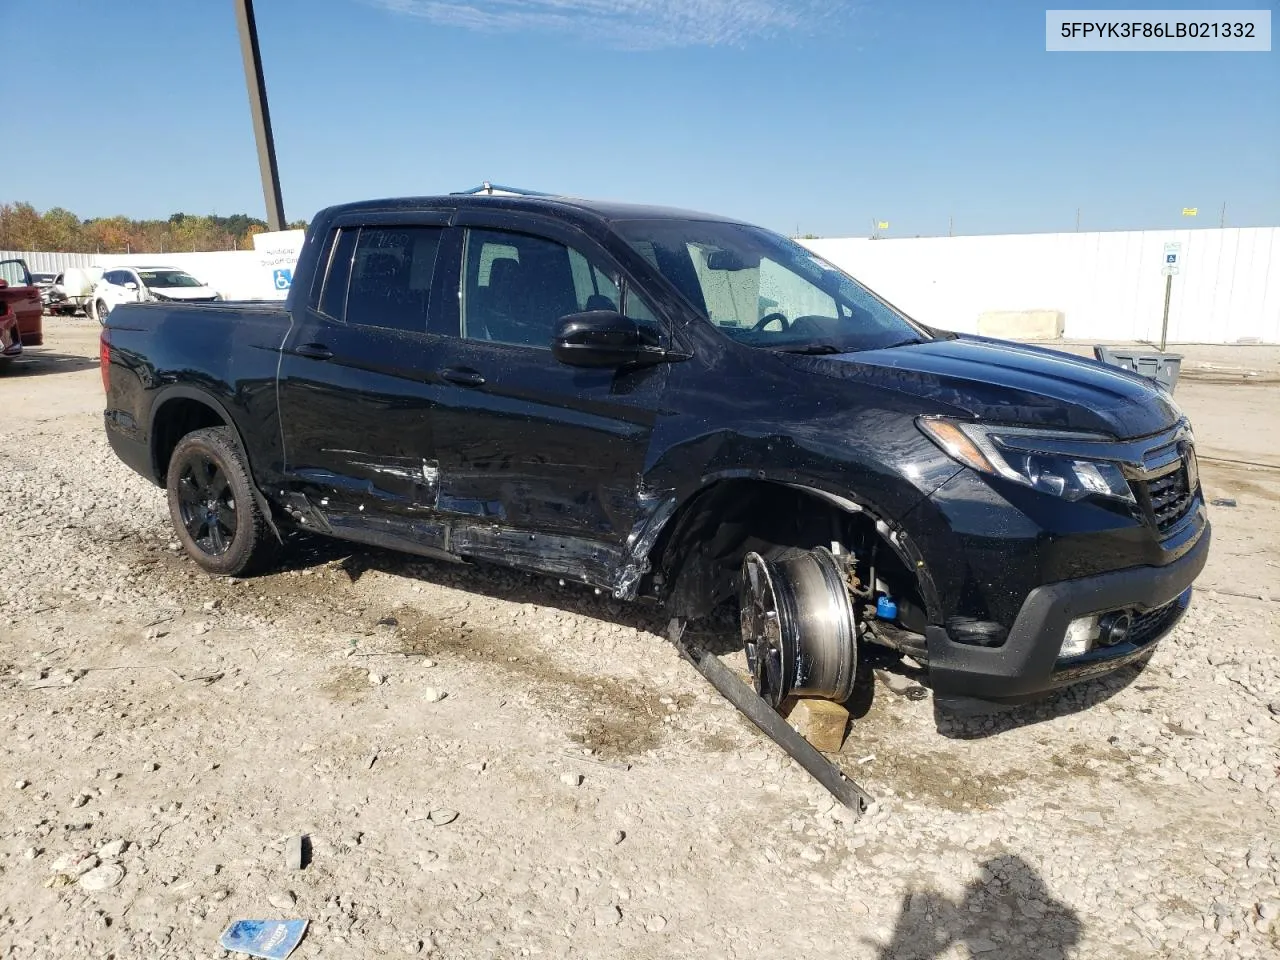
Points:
point(1026, 665)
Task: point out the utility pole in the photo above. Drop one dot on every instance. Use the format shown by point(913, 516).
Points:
point(261, 116)
point(1222, 221)
point(1077, 219)
point(951, 225)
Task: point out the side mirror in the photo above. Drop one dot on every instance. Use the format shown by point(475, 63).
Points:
point(603, 338)
point(3, 283)
point(130, 285)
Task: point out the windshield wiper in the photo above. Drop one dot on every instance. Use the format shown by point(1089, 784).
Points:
point(813, 349)
point(900, 343)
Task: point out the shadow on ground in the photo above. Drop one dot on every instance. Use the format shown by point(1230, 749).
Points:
point(1012, 916)
point(36, 361)
point(961, 718)
point(499, 583)
point(955, 718)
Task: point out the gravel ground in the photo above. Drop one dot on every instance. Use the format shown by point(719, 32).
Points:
point(486, 764)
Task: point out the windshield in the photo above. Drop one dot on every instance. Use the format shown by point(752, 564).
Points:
point(168, 278)
point(764, 290)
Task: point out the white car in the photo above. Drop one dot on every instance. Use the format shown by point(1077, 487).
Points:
point(141, 284)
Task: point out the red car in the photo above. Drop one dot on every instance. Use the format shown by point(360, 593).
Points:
point(21, 298)
point(10, 342)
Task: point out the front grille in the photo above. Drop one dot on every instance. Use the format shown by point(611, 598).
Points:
point(1167, 498)
point(1146, 626)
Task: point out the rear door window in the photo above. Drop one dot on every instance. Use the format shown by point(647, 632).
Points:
point(333, 299)
point(391, 272)
point(321, 269)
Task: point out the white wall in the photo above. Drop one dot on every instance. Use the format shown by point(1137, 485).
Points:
point(1108, 285)
point(236, 274)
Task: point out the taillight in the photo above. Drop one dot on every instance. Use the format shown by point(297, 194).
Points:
point(104, 359)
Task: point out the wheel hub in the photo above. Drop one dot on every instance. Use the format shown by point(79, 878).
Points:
point(798, 628)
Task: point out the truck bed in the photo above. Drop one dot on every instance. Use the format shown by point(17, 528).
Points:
point(228, 352)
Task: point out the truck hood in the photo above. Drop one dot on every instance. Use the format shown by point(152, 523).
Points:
point(1009, 383)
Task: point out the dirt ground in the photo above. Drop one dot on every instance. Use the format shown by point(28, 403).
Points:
point(487, 764)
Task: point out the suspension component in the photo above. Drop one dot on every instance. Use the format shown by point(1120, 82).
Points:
point(798, 626)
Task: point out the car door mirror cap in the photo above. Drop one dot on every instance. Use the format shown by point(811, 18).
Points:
point(130, 285)
point(604, 338)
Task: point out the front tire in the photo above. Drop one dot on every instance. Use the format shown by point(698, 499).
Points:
point(100, 310)
point(212, 505)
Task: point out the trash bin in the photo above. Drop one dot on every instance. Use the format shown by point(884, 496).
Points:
point(1160, 367)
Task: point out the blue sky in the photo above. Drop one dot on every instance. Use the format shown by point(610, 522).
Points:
point(809, 115)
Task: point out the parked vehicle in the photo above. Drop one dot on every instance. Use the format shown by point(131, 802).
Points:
point(679, 407)
point(10, 341)
point(142, 284)
point(22, 298)
point(74, 288)
point(70, 291)
point(44, 283)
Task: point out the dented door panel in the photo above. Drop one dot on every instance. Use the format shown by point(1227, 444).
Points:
point(357, 427)
point(544, 447)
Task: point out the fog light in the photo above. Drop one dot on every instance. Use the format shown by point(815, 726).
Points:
point(1080, 636)
point(1114, 628)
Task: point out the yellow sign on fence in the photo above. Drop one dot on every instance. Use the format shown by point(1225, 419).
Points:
point(882, 225)
point(1190, 211)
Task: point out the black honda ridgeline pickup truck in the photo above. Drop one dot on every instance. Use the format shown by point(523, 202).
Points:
point(680, 407)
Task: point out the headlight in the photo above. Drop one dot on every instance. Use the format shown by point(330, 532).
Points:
point(1040, 459)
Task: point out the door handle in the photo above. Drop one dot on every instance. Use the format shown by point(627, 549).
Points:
point(314, 351)
point(462, 376)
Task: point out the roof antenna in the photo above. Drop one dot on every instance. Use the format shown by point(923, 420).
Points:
point(487, 187)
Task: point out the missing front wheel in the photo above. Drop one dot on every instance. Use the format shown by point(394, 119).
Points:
point(798, 627)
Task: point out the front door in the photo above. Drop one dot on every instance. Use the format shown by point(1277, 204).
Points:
point(354, 389)
point(540, 462)
point(23, 298)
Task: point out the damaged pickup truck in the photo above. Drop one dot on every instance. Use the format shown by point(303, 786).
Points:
point(679, 407)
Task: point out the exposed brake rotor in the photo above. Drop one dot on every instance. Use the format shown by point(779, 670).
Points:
point(798, 627)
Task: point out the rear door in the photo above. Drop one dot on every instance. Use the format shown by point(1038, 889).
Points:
point(354, 389)
point(544, 458)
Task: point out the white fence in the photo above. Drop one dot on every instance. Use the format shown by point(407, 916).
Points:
point(39, 261)
point(236, 274)
point(1108, 285)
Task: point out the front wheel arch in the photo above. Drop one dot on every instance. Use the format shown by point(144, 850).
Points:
point(697, 558)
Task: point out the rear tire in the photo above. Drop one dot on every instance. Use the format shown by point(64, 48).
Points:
point(100, 311)
point(213, 507)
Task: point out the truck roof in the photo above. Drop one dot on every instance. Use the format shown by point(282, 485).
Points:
point(569, 208)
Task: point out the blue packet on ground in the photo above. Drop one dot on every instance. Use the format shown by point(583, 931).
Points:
point(272, 939)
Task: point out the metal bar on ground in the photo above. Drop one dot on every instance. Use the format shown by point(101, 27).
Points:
point(261, 115)
point(772, 725)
